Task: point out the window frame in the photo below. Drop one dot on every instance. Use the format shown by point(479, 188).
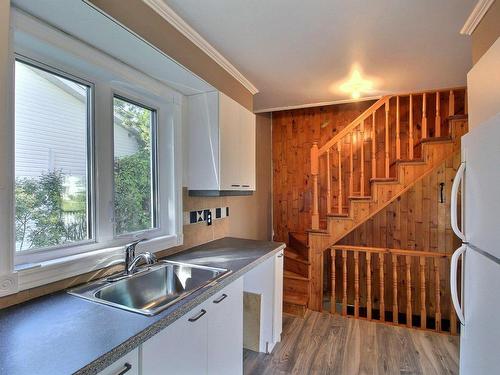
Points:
point(25, 255)
point(42, 267)
point(155, 110)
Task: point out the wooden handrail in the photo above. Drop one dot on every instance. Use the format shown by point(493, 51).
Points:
point(332, 142)
point(386, 250)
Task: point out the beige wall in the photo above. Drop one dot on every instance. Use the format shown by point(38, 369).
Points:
point(145, 22)
point(487, 32)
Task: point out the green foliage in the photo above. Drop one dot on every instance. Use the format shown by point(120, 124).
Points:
point(40, 220)
point(135, 119)
point(133, 192)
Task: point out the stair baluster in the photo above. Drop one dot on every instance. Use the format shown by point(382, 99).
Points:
point(438, 116)
point(387, 163)
point(424, 115)
point(368, 286)
point(333, 307)
point(328, 183)
point(395, 288)
point(398, 136)
point(362, 157)
point(356, 284)
point(374, 147)
point(351, 165)
point(437, 284)
point(423, 310)
point(451, 104)
point(409, 299)
point(382, 290)
point(411, 141)
point(314, 174)
point(341, 197)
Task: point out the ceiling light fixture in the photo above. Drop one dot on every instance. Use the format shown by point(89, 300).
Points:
point(356, 84)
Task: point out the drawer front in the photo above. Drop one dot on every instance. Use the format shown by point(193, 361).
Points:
point(127, 365)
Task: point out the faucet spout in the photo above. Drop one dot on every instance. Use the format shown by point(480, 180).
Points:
point(147, 257)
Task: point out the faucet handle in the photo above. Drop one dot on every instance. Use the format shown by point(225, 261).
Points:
point(130, 250)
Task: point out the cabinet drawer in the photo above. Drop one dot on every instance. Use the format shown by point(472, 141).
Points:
point(127, 365)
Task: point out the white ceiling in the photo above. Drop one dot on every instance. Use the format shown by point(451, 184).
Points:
point(296, 52)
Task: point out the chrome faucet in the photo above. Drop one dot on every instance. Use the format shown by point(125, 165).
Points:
point(131, 261)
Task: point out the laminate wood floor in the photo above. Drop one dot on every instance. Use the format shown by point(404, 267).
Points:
point(321, 343)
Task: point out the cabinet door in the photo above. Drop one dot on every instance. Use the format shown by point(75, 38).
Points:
point(278, 297)
point(127, 365)
point(247, 147)
point(230, 151)
point(225, 331)
point(179, 349)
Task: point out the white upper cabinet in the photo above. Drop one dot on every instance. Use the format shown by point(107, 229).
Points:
point(221, 144)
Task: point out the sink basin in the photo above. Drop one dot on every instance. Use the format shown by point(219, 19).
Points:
point(153, 288)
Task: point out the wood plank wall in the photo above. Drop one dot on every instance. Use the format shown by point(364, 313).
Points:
point(294, 132)
point(418, 221)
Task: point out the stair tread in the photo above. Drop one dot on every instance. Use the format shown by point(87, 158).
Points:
point(292, 255)
point(297, 299)
point(384, 179)
point(333, 214)
point(360, 197)
point(293, 275)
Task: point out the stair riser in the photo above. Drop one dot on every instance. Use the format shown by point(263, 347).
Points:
point(294, 286)
point(293, 309)
point(299, 247)
point(296, 266)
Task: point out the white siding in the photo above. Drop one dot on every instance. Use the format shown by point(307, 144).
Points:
point(51, 127)
point(125, 142)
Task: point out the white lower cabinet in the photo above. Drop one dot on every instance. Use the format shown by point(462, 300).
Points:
point(207, 340)
point(225, 331)
point(127, 365)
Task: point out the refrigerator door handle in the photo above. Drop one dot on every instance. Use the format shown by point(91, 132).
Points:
point(454, 201)
point(453, 282)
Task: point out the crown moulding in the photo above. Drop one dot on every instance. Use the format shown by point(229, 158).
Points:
point(160, 7)
point(476, 16)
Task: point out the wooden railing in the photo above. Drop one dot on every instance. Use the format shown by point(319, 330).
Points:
point(392, 128)
point(404, 287)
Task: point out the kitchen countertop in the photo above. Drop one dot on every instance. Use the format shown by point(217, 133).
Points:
point(65, 334)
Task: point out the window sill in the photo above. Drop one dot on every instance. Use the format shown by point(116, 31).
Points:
point(37, 274)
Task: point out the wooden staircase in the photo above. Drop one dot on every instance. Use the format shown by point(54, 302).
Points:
point(367, 165)
point(296, 275)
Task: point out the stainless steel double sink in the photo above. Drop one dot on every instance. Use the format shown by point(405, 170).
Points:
point(153, 288)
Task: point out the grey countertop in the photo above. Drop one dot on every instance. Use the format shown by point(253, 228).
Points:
point(64, 334)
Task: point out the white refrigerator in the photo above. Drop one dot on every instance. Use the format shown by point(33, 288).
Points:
point(478, 307)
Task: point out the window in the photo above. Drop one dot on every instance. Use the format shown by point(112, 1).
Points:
point(52, 159)
point(134, 129)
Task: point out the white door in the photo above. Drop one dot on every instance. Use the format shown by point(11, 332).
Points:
point(179, 349)
point(481, 306)
point(225, 331)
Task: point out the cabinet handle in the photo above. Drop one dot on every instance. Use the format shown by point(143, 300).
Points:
point(235, 185)
point(247, 186)
point(197, 316)
point(126, 367)
point(221, 298)
point(280, 255)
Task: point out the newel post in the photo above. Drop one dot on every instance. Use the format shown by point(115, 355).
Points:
point(314, 174)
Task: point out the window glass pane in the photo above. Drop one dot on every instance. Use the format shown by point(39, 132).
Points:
point(133, 167)
point(51, 159)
